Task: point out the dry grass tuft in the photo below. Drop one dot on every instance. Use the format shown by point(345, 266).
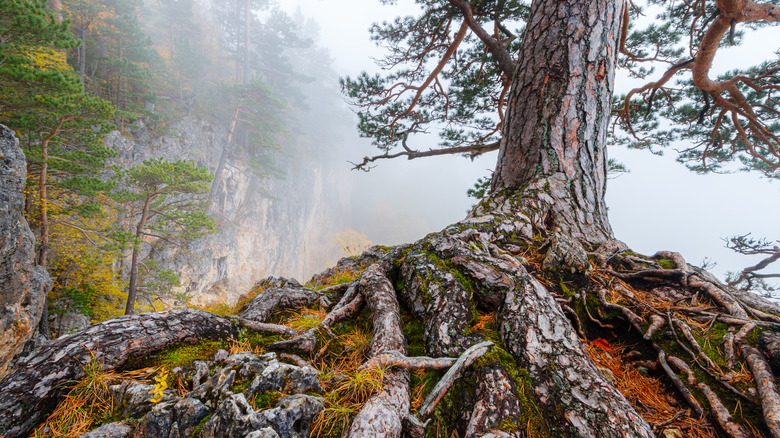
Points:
point(237, 346)
point(88, 403)
point(306, 319)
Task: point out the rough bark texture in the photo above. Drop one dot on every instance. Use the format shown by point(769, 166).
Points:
point(532, 329)
point(32, 387)
point(278, 293)
point(559, 106)
point(384, 413)
point(23, 285)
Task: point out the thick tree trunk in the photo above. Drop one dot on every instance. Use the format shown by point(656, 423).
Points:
point(559, 105)
point(33, 387)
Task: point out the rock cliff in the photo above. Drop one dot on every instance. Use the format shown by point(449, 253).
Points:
point(267, 225)
point(23, 285)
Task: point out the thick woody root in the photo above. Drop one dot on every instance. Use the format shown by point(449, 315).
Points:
point(446, 277)
point(383, 414)
point(32, 389)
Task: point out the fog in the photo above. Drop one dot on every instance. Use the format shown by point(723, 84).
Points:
point(659, 205)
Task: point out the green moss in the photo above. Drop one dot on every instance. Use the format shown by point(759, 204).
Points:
point(413, 332)
point(266, 400)
point(199, 427)
point(667, 263)
point(178, 355)
point(536, 424)
point(240, 387)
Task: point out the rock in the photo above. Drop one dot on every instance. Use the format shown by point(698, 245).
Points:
point(293, 415)
point(291, 418)
point(266, 374)
point(135, 398)
point(220, 355)
point(265, 432)
point(234, 417)
point(110, 430)
point(278, 293)
point(281, 225)
point(175, 419)
point(215, 388)
point(66, 319)
point(23, 285)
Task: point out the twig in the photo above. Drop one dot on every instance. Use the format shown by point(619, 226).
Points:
point(265, 327)
point(464, 361)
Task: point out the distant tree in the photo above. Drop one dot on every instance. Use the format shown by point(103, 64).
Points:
point(61, 128)
point(752, 277)
point(352, 242)
point(163, 200)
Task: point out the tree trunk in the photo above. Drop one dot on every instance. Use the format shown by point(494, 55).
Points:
point(132, 288)
point(43, 251)
point(33, 387)
point(82, 52)
point(223, 156)
point(559, 105)
point(56, 6)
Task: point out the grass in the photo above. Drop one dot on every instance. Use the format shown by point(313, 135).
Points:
point(305, 319)
point(87, 405)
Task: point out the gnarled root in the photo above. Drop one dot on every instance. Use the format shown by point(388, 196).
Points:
point(31, 390)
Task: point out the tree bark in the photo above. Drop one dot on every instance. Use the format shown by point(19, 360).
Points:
point(559, 105)
point(31, 390)
point(132, 288)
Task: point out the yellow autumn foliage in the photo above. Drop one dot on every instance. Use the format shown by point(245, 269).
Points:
point(82, 264)
point(46, 59)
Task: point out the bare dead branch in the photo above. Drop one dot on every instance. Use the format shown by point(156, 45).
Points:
point(410, 154)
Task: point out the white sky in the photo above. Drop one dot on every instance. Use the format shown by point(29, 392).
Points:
point(660, 205)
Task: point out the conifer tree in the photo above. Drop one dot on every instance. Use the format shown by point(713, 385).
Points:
point(163, 200)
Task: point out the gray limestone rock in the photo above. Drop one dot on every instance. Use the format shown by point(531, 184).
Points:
point(66, 319)
point(234, 417)
point(23, 285)
point(174, 419)
point(135, 398)
point(265, 373)
point(217, 409)
point(265, 432)
point(278, 293)
point(282, 225)
point(110, 430)
point(293, 415)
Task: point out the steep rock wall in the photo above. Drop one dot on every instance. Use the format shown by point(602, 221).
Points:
point(23, 285)
point(267, 225)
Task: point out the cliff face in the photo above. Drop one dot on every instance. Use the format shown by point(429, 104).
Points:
point(267, 225)
point(23, 285)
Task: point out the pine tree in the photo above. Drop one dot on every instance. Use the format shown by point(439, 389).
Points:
point(162, 201)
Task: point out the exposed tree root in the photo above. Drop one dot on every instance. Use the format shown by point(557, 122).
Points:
point(32, 388)
point(767, 388)
point(490, 280)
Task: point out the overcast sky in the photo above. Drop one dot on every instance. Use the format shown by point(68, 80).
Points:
point(660, 205)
